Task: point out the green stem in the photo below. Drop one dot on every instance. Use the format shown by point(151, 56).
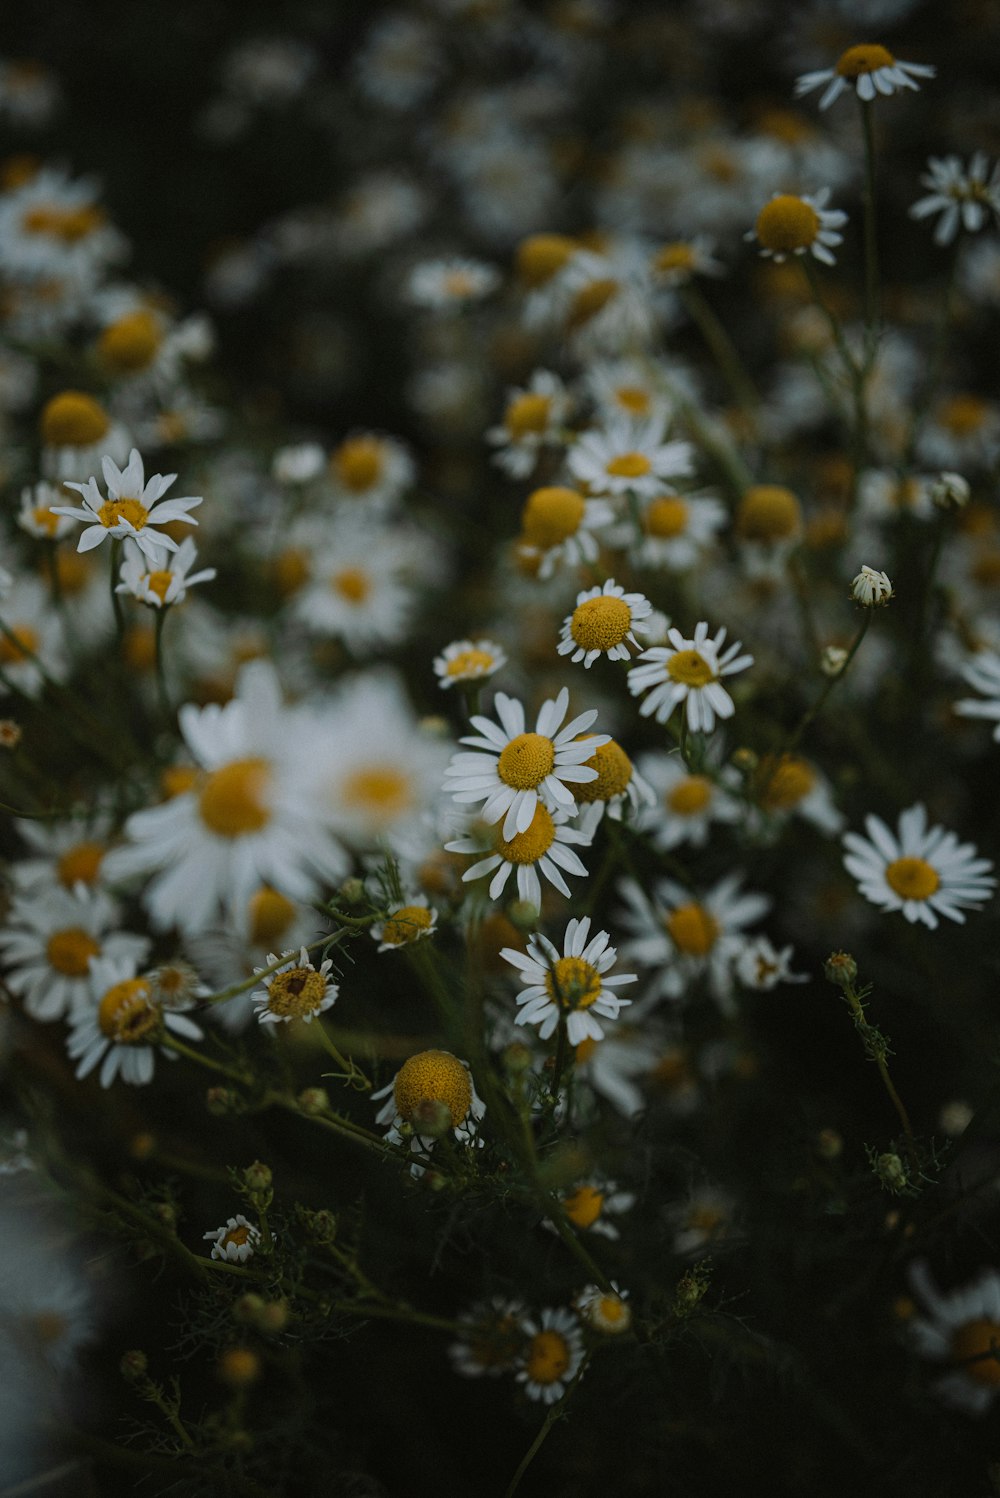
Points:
point(724, 352)
point(163, 696)
point(814, 711)
point(554, 1413)
point(871, 241)
point(173, 1044)
point(876, 1046)
point(350, 1070)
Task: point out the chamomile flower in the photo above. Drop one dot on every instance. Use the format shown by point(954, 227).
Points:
point(602, 623)
point(296, 990)
point(962, 1330)
point(965, 197)
point(158, 577)
point(604, 1311)
point(372, 469)
point(610, 1066)
point(121, 1030)
point(491, 1338)
point(236, 1241)
point(592, 1203)
point(762, 966)
point(452, 283)
point(924, 872)
point(571, 986)
point(618, 784)
point(871, 68)
point(679, 261)
point(469, 661)
point(432, 1094)
point(552, 1355)
point(961, 432)
point(129, 507)
point(47, 943)
point(63, 854)
point(704, 1218)
point(982, 673)
point(871, 588)
point(543, 848)
point(358, 591)
point(791, 225)
point(36, 515)
point(559, 526)
point(628, 456)
point(685, 803)
point(520, 770)
point(31, 640)
point(786, 784)
point(677, 529)
point(688, 672)
point(533, 418)
point(407, 921)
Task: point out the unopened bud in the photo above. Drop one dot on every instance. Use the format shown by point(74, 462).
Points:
point(833, 660)
point(273, 1317)
point(221, 1100)
point(745, 760)
point(840, 968)
point(870, 588)
point(891, 1172)
point(248, 1308)
point(352, 891)
point(257, 1177)
point(690, 1291)
point(313, 1100)
point(133, 1365)
point(829, 1144)
point(516, 1058)
point(431, 1118)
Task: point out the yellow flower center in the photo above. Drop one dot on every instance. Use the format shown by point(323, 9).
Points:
point(125, 1014)
point(171, 427)
point(73, 571)
point(68, 224)
point(271, 914)
point(548, 1357)
point(469, 663)
point(705, 1219)
point(785, 782)
point(528, 847)
point(583, 1208)
point(238, 1236)
point(527, 413)
point(614, 772)
point(912, 878)
point(600, 623)
point(542, 256)
point(459, 283)
point(867, 58)
point(610, 1313)
point(666, 517)
point(358, 463)
point(588, 1045)
point(526, 760)
point(589, 300)
point(291, 570)
point(976, 1345)
point(628, 466)
point(70, 951)
point(73, 419)
point(690, 668)
point(352, 584)
point(296, 992)
point(719, 163)
point(633, 399)
point(677, 257)
point(433, 1077)
point(768, 512)
point(689, 796)
point(381, 790)
point(158, 582)
point(233, 801)
point(21, 641)
point(551, 515)
point(131, 343)
point(692, 929)
point(963, 415)
point(114, 511)
point(787, 224)
point(572, 983)
point(45, 520)
point(80, 864)
point(406, 925)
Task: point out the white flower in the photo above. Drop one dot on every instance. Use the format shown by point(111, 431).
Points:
point(298, 464)
point(685, 804)
point(922, 871)
point(128, 510)
point(36, 515)
point(406, 922)
point(961, 1329)
point(559, 525)
point(432, 1091)
point(592, 1202)
point(762, 966)
point(792, 225)
point(629, 456)
point(609, 1066)
point(677, 529)
point(982, 673)
point(964, 196)
point(689, 673)
point(491, 1338)
point(371, 468)
point(602, 624)
point(871, 68)
point(296, 990)
point(552, 1355)
point(31, 638)
point(122, 1028)
point(702, 1219)
point(541, 848)
point(871, 588)
point(520, 770)
point(158, 577)
point(468, 660)
point(358, 590)
point(235, 1241)
point(604, 1312)
point(48, 940)
point(533, 418)
point(572, 985)
point(454, 282)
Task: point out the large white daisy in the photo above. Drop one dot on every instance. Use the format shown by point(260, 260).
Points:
point(572, 984)
point(925, 872)
point(128, 509)
point(688, 672)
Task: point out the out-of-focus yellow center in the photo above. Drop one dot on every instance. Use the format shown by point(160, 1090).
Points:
point(548, 1357)
point(692, 929)
point(73, 419)
point(352, 584)
point(70, 951)
point(542, 256)
point(20, 642)
point(80, 864)
point(381, 790)
point(689, 668)
point(527, 413)
point(584, 1207)
point(130, 344)
point(358, 463)
point(784, 782)
point(125, 1014)
point(768, 512)
point(614, 773)
point(233, 800)
point(666, 517)
point(976, 1345)
point(589, 300)
point(787, 224)
point(689, 796)
point(551, 515)
point(628, 466)
point(271, 914)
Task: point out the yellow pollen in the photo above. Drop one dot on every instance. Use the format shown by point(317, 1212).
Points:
point(666, 517)
point(768, 512)
point(526, 760)
point(912, 878)
point(381, 790)
point(542, 256)
point(19, 643)
point(528, 847)
point(583, 1208)
point(67, 224)
point(433, 1077)
point(689, 796)
point(232, 802)
point(131, 343)
point(45, 520)
point(527, 413)
point(358, 463)
point(80, 864)
point(573, 984)
point(73, 419)
point(787, 224)
point(589, 300)
point(629, 466)
point(271, 914)
point(963, 415)
point(551, 515)
point(238, 1235)
point(692, 929)
point(352, 584)
point(406, 925)
point(689, 668)
point(634, 399)
point(600, 623)
point(976, 1346)
point(70, 951)
point(548, 1358)
point(674, 257)
point(295, 993)
point(114, 511)
point(125, 1014)
point(158, 582)
point(785, 782)
point(867, 58)
point(614, 773)
point(469, 663)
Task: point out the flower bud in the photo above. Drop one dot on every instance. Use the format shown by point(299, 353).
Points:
point(891, 1171)
point(833, 660)
point(238, 1367)
point(221, 1100)
point(133, 1365)
point(313, 1100)
point(257, 1177)
point(950, 491)
point(870, 588)
point(840, 968)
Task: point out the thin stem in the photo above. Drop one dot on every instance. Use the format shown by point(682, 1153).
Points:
point(814, 711)
point(191, 1054)
point(871, 241)
point(877, 1047)
point(723, 350)
point(116, 603)
point(163, 696)
point(554, 1413)
point(350, 1070)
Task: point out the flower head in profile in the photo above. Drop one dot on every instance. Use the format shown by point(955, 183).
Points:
point(468, 661)
point(924, 872)
point(296, 990)
point(235, 1241)
point(871, 588)
point(571, 985)
point(871, 68)
point(128, 509)
point(982, 673)
point(431, 1095)
point(159, 577)
point(406, 922)
point(791, 225)
point(960, 1329)
point(124, 1026)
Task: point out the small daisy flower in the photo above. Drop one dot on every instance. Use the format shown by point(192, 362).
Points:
point(408, 921)
point(47, 942)
point(965, 197)
point(176, 985)
point(629, 456)
point(678, 262)
point(982, 673)
point(236, 1240)
point(36, 515)
point(371, 468)
point(962, 431)
point(962, 1330)
point(533, 418)
point(677, 530)
point(628, 388)
point(604, 1312)
point(491, 1340)
point(542, 849)
point(454, 282)
point(559, 525)
point(925, 872)
point(159, 578)
point(76, 433)
point(553, 1354)
point(296, 990)
point(520, 770)
point(762, 966)
point(610, 1066)
point(590, 1205)
point(870, 588)
point(790, 225)
point(618, 782)
point(787, 783)
point(688, 673)
point(602, 623)
point(298, 464)
point(128, 509)
point(703, 1219)
point(871, 68)
point(572, 985)
point(31, 641)
point(684, 805)
point(433, 1090)
point(468, 661)
point(120, 1031)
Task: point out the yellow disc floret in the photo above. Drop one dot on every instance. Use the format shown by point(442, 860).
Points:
point(572, 983)
point(692, 929)
point(551, 515)
point(406, 925)
point(912, 878)
point(584, 1207)
point(469, 664)
point(433, 1077)
point(690, 668)
point(20, 641)
point(527, 413)
point(866, 58)
point(675, 259)
point(768, 512)
point(114, 511)
point(784, 782)
point(589, 300)
point(383, 791)
point(614, 774)
point(976, 1346)
point(130, 344)
point(787, 224)
point(70, 951)
point(73, 419)
point(353, 584)
point(526, 760)
point(629, 466)
point(666, 517)
point(542, 256)
point(689, 796)
point(296, 992)
point(357, 463)
point(600, 623)
point(528, 847)
point(270, 915)
point(125, 1013)
point(548, 1357)
point(233, 800)
point(80, 864)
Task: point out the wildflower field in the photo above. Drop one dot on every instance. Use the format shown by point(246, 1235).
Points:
point(499, 746)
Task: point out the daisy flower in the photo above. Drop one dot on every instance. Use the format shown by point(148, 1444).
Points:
point(491, 1339)
point(571, 985)
point(871, 68)
point(962, 1330)
point(925, 872)
point(787, 783)
point(685, 805)
point(454, 282)
point(407, 921)
point(296, 990)
point(601, 624)
point(158, 577)
point(520, 770)
point(533, 418)
point(618, 782)
point(965, 197)
point(542, 849)
point(678, 262)
point(468, 661)
point(432, 1091)
point(871, 588)
point(236, 1240)
point(762, 966)
point(677, 530)
point(604, 1312)
point(982, 673)
point(128, 509)
point(552, 1355)
point(628, 388)
point(371, 468)
point(121, 1030)
point(358, 591)
point(589, 1206)
point(703, 1219)
point(36, 515)
point(604, 301)
point(790, 225)
point(962, 430)
point(558, 525)
point(610, 1066)
point(63, 853)
point(31, 639)
point(628, 456)
point(689, 673)
point(47, 943)
point(298, 464)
